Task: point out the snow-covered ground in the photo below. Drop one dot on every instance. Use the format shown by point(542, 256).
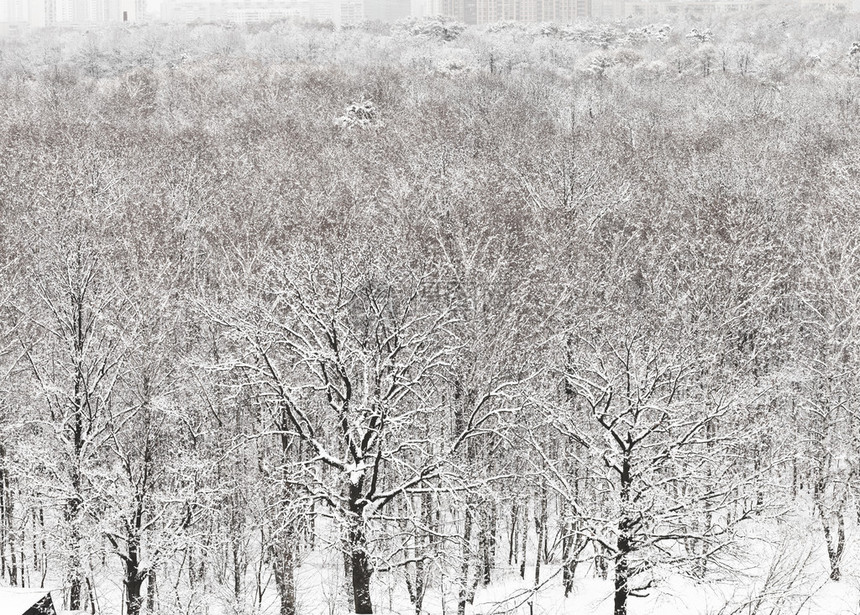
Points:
point(777, 569)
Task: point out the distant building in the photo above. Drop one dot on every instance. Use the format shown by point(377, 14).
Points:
point(14, 16)
point(351, 12)
point(563, 11)
point(45, 13)
point(347, 12)
point(237, 11)
point(832, 5)
point(654, 8)
point(464, 11)
point(321, 10)
point(607, 9)
point(255, 11)
point(387, 10)
point(490, 11)
point(21, 15)
point(252, 11)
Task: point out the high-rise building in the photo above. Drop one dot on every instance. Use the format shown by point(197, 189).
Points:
point(464, 11)
point(559, 11)
point(20, 15)
point(387, 10)
point(351, 12)
point(42, 13)
point(489, 11)
point(13, 11)
point(83, 12)
point(426, 8)
point(321, 10)
point(13, 17)
point(655, 8)
point(237, 11)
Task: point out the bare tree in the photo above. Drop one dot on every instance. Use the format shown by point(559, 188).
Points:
point(77, 390)
point(351, 361)
point(637, 412)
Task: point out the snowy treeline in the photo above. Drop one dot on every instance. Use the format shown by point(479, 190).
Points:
point(425, 303)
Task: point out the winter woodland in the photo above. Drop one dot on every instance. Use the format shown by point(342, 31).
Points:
point(420, 318)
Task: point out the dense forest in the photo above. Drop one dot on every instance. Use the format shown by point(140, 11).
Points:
point(432, 319)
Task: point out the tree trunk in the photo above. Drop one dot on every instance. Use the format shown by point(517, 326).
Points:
point(622, 589)
point(422, 544)
point(134, 598)
point(151, 590)
point(347, 573)
point(7, 538)
point(488, 543)
point(133, 580)
point(540, 527)
point(835, 545)
point(91, 595)
point(571, 546)
point(466, 555)
point(359, 561)
point(283, 564)
point(43, 546)
point(286, 538)
point(524, 536)
point(74, 504)
point(624, 545)
point(74, 580)
point(361, 571)
point(311, 525)
point(566, 548)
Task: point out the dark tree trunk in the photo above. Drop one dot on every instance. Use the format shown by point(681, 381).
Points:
point(359, 560)
point(285, 547)
point(361, 572)
point(91, 595)
point(466, 554)
point(488, 543)
point(76, 426)
point(347, 573)
point(7, 530)
point(540, 527)
point(463, 400)
point(423, 545)
point(512, 537)
point(134, 576)
point(134, 598)
point(74, 580)
point(43, 546)
point(624, 546)
point(311, 525)
point(133, 581)
point(283, 561)
point(238, 571)
point(566, 548)
point(571, 546)
point(835, 545)
point(622, 581)
point(151, 590)
point(524, 536)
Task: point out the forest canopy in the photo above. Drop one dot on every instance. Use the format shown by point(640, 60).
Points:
point(299, 320)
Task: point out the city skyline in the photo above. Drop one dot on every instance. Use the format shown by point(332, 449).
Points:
point(20, 15)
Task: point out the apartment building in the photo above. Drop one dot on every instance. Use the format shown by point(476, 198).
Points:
point(490, 11)
point(646, 8)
